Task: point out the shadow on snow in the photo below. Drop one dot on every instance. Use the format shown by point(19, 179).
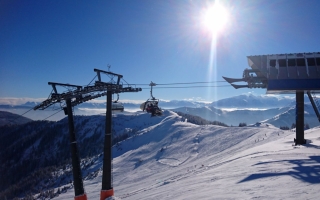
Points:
point(306, 170)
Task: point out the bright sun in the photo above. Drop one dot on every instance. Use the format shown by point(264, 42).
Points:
point(215, 18)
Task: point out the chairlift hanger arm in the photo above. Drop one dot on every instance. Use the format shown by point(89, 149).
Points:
point(116, 101)
point(152, 84)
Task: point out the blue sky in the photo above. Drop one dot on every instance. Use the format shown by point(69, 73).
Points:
point(160, 41)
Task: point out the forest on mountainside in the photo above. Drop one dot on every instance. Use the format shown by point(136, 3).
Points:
point(199, 120)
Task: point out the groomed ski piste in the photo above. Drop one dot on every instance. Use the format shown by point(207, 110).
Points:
point(175, 159)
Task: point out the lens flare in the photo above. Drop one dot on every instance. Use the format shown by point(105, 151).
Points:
point(215, 17)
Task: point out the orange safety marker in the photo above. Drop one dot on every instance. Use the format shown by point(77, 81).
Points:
point(81, 197)
point(106, 193)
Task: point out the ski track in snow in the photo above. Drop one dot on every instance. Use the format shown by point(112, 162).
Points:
point(179, 160)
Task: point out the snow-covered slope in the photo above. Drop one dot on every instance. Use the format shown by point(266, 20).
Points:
point(178, 160)
point(31, 153)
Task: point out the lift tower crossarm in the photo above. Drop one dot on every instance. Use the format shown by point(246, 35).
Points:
point(109, 73)
point(62, 84)
point(56, 97)
point(76, 96)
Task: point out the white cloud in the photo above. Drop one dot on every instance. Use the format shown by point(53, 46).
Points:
point(18, 101)
point(197, 99)
point(164, 100)
point(103, 100)
point(279, 96)
point(131, 101)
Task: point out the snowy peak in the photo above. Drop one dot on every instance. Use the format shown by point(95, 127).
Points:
point(288, 117)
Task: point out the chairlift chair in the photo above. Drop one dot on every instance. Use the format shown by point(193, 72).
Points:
point(151, 105)
point(117, 106)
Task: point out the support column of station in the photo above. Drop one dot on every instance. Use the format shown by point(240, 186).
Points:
point(107, 189)
point(76, 169)
point(300, 118)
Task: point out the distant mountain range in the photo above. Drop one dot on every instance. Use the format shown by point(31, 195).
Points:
point(163, 104)
point(284, 116)
point(94, 105)
point(253, 101)
point(232, 117)
point(289, 116)
point(240, 101)
point(231, 111)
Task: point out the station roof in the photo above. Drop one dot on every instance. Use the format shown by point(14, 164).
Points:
point(287, 73)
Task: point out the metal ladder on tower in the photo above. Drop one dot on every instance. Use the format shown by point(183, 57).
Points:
point(315, 103)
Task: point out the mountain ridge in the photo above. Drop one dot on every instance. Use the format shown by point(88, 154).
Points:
point(13, 119)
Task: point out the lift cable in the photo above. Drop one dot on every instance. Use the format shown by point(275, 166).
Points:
point(92, 80)
point(155, 88)
point(182, 83)
point(189, 83)
point(53, 114)
point(21, 115)
point(68, 89)
point(197, 86)
point(125, 81)
point(50, 94)
point(173, 87)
